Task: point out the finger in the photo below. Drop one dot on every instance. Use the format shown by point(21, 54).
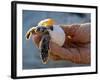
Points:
point(53, 47)
point(54, 57)
point(36, 39)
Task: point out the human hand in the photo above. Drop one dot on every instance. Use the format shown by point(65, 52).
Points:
point(36, 38)
point(69, 54)
point(76, 55)
point(79, 56)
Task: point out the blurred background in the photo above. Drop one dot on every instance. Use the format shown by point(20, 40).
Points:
point(31, 55)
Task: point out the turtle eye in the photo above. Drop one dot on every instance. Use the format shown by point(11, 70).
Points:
point(38, 29)
point(51, 28)
point(41, 29)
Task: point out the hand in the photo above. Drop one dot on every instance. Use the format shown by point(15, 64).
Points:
point(36, 39)
point(70, 54)
point(80, 54)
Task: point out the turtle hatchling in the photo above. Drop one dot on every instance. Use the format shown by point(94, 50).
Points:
point(49, 32)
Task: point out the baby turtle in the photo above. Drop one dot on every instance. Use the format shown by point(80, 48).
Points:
point(44, 43)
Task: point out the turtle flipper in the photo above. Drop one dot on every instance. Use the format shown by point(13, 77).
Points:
point(30, 32)
point(44, 48)
point(28, 35)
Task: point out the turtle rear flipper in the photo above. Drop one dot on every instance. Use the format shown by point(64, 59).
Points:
point(44, 48)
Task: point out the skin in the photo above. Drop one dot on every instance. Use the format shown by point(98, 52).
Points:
point(76, 47)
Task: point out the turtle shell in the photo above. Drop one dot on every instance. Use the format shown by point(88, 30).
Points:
point(44, 48)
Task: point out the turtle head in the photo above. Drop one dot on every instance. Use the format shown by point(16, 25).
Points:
point(42, 27)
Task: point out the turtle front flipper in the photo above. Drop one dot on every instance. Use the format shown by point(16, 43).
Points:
point(44, 48)
point(30, 32)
